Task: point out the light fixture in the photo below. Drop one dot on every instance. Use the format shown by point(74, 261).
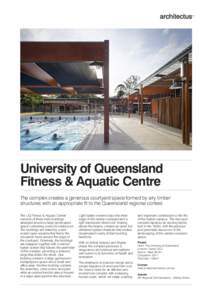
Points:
point(97, 67)
point(181, 69)
point(176, 85)
point(160, 75)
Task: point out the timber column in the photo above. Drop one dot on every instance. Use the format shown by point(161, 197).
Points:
point(139, 103)
point(106, 91)
point(44, 106)
point(186, 117)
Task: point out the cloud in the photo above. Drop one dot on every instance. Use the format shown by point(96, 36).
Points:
point(137, 48)
point(158, 57)
point(37, 35)
point(165, 31)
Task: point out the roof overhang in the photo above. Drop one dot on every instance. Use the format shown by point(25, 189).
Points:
point(61, 67)
point(160, 81)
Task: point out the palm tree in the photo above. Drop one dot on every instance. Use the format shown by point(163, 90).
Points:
point(120, 90)
point(128, 86)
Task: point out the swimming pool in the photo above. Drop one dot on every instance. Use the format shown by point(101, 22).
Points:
point(55, 132)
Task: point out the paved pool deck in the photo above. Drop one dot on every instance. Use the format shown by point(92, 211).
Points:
point(128, 134)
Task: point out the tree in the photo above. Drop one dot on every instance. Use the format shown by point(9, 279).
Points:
point(31, 100)
point(120, 90)
point(131, 83)
point(128, 86)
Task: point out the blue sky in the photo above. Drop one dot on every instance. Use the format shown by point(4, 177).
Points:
point(132, 51)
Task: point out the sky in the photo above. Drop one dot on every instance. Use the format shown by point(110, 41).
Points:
point(132, 51)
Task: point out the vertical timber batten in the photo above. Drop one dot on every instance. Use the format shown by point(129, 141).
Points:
point(128, 105)
point(185, 105)
point(141, 104)
point(106, 91)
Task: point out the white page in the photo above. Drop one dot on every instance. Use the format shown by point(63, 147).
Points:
point(181, 197)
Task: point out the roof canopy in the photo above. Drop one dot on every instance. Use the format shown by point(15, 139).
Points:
point(61, 67)
point(160, 81)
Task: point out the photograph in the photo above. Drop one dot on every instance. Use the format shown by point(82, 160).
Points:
point(106, 89)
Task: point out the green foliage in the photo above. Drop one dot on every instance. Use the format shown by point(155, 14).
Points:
point(31, 100)
point(120, 90)
point(77, 96)
point(128, 86)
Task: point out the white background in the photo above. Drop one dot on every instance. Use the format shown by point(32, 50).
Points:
point(102, 14)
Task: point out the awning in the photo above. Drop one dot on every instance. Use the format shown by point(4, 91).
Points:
point(47, 70)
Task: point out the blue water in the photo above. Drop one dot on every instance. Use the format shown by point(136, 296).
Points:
point(37, 133)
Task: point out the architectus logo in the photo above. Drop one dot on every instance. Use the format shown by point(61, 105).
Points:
point(176, 16)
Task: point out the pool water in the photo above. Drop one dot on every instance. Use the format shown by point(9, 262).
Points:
point(54, 132)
